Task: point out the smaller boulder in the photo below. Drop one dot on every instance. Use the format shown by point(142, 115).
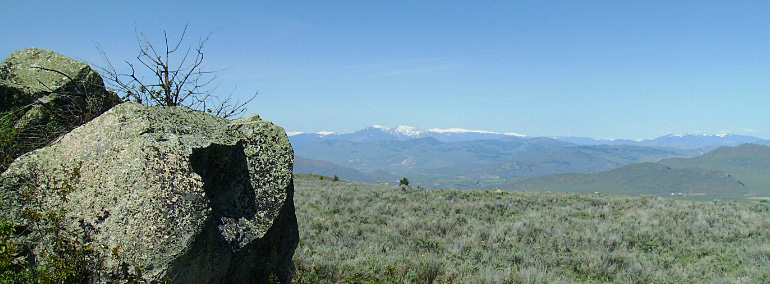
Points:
point(44, 95)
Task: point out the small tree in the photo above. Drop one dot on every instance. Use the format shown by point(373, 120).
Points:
point(177, 77)
point(404, 181)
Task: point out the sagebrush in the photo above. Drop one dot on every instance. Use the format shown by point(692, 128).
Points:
point(360, 233)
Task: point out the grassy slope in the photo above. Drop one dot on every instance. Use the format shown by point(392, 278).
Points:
point(636, 179)
point(360, 233)
point(748, 163)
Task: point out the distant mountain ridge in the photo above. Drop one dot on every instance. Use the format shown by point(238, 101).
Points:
point(679, 140)
point(467, 159)
point(473, 164)
point(403, 133)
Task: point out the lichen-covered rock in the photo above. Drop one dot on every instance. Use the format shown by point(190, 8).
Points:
point(166, 193)
point(44, 95)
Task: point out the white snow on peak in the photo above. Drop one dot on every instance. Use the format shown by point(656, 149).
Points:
point(416, 131)
point(459, 130)
point(680, 135)
point(515, 134)
point(409, 130)
point(412, 131)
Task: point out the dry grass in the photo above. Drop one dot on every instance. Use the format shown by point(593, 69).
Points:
point(359, 233)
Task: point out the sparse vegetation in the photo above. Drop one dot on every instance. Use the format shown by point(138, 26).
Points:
point(64, 259)
point(9, 148)
point(37, 248)
point(361, 233)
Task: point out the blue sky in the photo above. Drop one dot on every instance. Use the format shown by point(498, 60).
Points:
point(604, 69)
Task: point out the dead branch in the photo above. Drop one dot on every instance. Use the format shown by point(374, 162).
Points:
point(177, 77)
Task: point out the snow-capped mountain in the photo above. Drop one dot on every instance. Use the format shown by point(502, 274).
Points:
point(403, 133)
point(400, 133)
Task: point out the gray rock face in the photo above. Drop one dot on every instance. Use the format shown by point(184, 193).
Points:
point(168, 194)
point(46, 94)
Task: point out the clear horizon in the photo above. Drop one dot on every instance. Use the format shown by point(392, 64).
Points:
point(622, 70)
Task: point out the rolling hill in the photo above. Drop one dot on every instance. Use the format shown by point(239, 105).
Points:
point(726, 171)
point(748, 163)
point(637, 179)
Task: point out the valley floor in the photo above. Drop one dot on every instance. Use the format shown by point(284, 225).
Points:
point(362, 233)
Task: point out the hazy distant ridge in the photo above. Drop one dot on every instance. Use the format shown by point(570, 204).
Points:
point(402, 133)
point(682, 141)
point(459, 158)
point(477, 163)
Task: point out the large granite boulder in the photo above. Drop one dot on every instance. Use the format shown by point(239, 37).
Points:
point(161, 194)
point(44, 95)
